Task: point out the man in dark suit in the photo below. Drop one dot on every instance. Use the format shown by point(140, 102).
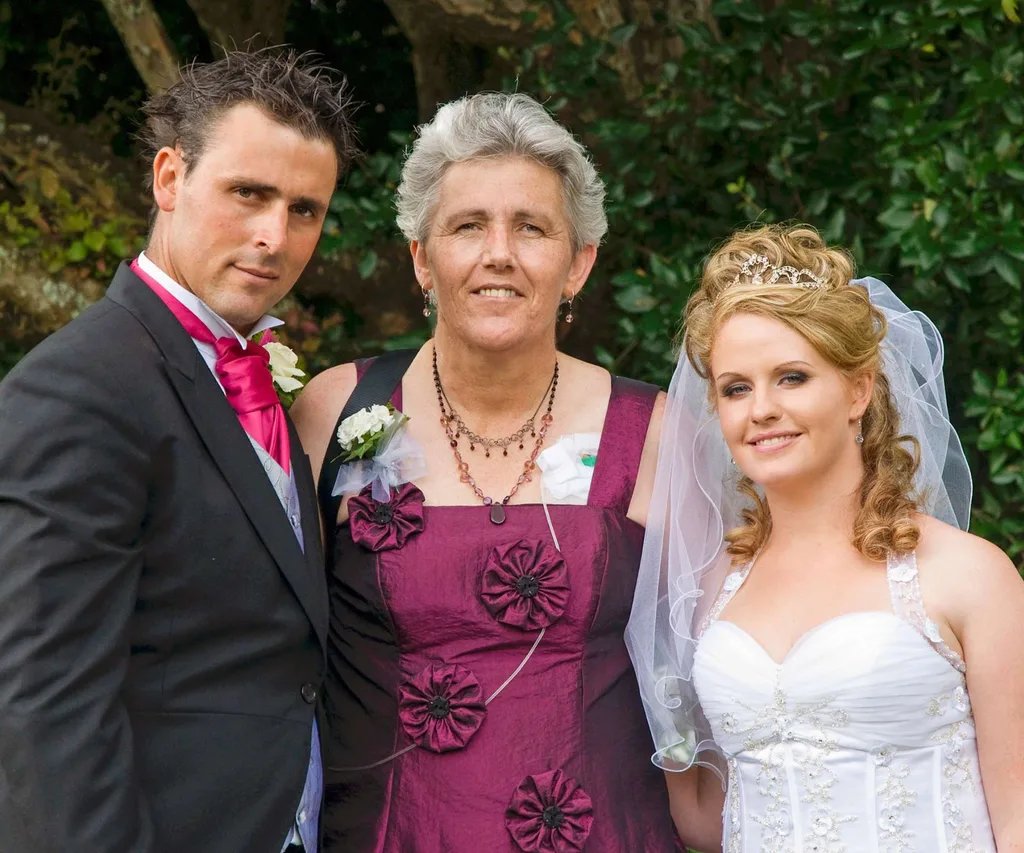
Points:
point(162, 601)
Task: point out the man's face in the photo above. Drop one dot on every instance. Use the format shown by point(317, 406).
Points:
point(238, 229)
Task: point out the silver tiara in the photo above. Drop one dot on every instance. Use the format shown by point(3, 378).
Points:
point(757, 270)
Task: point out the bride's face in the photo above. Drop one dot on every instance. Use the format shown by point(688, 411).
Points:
point(788, 415)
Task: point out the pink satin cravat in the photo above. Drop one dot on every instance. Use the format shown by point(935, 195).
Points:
point(245, 375)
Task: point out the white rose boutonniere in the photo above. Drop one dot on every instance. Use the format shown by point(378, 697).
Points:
point(284, 367)
point(376, 452)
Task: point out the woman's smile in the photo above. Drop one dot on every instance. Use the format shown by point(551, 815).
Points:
point(498, 293)
point(772, 443)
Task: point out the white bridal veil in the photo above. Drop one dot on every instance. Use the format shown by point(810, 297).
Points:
point(695, 501)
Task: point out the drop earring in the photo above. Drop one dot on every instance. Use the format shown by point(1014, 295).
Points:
point(859, 438)
point(427, 303)
point(568, 314)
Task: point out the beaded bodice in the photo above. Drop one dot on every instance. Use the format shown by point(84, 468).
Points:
point(860, 739)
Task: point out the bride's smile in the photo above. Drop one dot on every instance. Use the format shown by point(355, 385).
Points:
point(787, 414)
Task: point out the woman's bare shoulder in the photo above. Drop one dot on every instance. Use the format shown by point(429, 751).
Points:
point(328, 390)
point(583, 374)
point(315, 411)
point(965, 569)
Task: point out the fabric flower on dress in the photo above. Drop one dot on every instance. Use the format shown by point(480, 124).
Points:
point(525, 584)
point(384, 526)
point(549, 813)
point(442, 707)
point(568, 467)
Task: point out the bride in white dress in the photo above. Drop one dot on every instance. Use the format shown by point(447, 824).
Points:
point(811, 621)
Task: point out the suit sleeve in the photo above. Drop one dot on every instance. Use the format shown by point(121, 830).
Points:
point(74, 469)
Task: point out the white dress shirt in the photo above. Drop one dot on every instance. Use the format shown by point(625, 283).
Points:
point(218, 326)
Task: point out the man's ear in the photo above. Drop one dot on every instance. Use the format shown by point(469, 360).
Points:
point(168, 174)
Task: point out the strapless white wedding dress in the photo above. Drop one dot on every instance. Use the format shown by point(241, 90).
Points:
point(860, 741)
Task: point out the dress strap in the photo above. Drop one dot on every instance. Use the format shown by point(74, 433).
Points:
point(377, 381)
point(363, 364)
point(908, 604)
point(622, 443)
point(730, 586)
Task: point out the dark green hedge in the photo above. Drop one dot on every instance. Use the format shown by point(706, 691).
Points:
point(894, 127)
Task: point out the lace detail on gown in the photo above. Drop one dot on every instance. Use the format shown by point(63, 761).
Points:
point(733, 581)
point(894, 797)
point(909, 605)
point(858, 705)
point(731, 816)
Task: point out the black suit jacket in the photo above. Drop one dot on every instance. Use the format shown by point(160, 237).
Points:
point(161, 631)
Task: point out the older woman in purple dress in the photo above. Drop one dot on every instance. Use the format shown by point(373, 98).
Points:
point(479, 695)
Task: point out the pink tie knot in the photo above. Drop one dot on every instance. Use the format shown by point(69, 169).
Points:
point(245, 375)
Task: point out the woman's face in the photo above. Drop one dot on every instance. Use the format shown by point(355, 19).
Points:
point(788, 416)
point(499, 255)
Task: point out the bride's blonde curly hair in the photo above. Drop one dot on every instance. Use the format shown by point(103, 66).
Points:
point(840, 322)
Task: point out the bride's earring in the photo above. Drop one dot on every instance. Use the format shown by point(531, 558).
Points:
point(860, 431)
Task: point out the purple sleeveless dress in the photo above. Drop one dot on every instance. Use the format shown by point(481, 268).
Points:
point(432, 610)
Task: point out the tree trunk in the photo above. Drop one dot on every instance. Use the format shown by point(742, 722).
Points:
point(145, 38)
point(447, 60)
point(455, 42)
point(230, 24)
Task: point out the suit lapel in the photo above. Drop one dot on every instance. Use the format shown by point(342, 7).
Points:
point(228, 444)
point(311, 535)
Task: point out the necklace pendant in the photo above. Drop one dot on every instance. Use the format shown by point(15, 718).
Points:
point(497, 513)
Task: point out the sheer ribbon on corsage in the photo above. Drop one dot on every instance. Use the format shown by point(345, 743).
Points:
point(398, 459)
point(695, 501)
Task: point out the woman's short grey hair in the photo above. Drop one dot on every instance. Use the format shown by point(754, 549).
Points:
point(493, 125)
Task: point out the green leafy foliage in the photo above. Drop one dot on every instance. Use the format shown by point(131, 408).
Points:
point(10, 355)
point(997, 404)
point(895, 128)
point(64, 210)
point(362, 213)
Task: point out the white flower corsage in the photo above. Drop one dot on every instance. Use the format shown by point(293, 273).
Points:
point(284, 366)
point(568, 467)
point(377, 452)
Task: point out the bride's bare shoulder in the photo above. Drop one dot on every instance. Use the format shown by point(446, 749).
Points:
point(963, 569)
point(946, 545)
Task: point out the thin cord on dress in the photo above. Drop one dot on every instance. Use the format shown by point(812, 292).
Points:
point(494, 695)
point(519, 668)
